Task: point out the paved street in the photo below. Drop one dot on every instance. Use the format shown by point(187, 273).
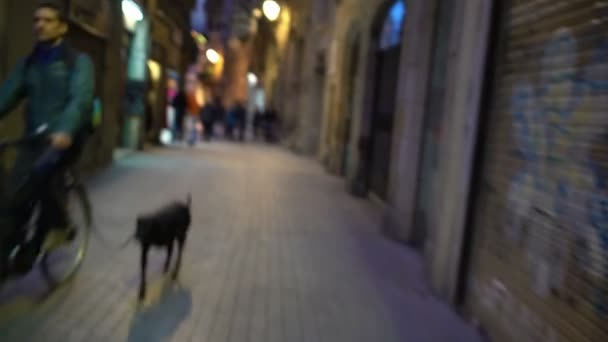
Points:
point(278, 252)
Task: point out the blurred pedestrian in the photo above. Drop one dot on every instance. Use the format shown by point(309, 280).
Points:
point(208, 120)
point(192, 116)
point(240, 117)
point(271, 125)
point(219, 111)
point(230, 123)
point(258, 119)
point(179, 104)
point(236, 121)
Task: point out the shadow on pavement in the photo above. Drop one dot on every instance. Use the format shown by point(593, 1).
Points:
point(160, 320)
point(27, 303)
point(21, 296)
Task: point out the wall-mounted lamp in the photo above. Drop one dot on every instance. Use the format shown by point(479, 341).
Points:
point(212, 56)
point(271, 9)
point(131, 10)
point(252, 79)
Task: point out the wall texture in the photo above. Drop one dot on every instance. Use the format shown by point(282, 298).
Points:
point(540, 254)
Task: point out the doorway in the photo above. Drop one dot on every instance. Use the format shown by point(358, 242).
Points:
point(352, 65)
point(387, 55)
point(429, 166)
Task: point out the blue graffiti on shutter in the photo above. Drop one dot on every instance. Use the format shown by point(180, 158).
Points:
point(558, 165)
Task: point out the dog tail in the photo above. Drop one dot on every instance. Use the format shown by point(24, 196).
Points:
point(189, 200)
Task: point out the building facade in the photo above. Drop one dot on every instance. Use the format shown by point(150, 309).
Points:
point(98, 28)
point(171, 52)
point(92, 30)
point(477, 126)
point(301, 85)
point(539, 248)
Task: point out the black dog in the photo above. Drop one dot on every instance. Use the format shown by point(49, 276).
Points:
point(162, 229)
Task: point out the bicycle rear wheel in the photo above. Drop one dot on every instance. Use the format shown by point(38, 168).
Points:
point(60, 263)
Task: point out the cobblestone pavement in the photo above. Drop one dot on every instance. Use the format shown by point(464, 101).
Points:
point(278, 252)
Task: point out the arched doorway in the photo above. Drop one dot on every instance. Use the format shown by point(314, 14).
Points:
point(386, 47)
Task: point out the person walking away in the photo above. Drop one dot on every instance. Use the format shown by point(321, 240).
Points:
point(240, 115)
point(219, 112)
point(257, 123)
point(179, 104)
point(207, 118)
point(230, 123)
point(57, 83)
point(272, 125)
point(192, 111)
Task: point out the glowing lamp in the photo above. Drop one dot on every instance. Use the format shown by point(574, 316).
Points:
point(212, 56)
point(131, 10)
point(271, 10)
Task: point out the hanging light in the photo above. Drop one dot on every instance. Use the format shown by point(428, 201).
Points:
point(212, 56)
point(252, 79)
point(131, 10)
point(271, 9)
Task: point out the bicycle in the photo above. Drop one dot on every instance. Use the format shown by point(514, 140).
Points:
point(60, 257)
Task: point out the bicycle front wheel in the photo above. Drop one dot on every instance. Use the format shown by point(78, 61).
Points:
point(64, 256)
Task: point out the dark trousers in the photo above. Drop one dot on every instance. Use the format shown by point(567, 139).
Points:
point(230, 131)
point(38, 175)
point(178, 127)
point(241, 126)
point(208, 129)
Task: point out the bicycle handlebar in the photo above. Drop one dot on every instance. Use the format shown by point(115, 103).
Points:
point(40, 135)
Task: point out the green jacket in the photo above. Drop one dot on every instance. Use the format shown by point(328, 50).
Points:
point(58, 94)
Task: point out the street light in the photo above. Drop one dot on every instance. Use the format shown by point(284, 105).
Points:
point(212, 56)
point(131, 10)
point(252, 79)
point(271, 9)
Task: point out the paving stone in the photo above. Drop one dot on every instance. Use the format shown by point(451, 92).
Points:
point(277, 252)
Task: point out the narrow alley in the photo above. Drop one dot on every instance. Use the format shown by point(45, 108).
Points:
point(360, 170)
point(278, 251)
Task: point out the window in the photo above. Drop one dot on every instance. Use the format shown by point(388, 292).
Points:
point(393, 25)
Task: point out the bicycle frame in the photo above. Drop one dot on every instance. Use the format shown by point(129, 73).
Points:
point(12, 266)
point(38, 137)
point(33, 138)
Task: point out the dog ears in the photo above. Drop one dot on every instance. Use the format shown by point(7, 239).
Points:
point(189, 200)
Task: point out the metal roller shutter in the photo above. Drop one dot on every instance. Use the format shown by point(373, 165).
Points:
point(539, 266)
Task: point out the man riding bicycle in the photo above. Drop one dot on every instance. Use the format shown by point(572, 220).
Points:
point(58, 83)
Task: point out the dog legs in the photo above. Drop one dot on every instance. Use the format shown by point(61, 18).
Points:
point(144, 262)
point(169, 254)
point(180, 248)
